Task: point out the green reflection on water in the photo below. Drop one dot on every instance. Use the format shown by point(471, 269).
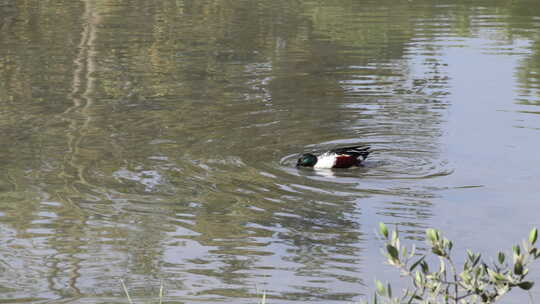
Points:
point(150, 140)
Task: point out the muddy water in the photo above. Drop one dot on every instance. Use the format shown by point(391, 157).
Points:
point(156, 142)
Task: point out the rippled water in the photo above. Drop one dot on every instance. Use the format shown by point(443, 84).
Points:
point(157, 141)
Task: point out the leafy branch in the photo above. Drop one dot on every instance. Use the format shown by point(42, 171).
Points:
point(478, 282)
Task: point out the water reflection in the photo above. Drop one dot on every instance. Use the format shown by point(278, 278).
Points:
point(151, 141)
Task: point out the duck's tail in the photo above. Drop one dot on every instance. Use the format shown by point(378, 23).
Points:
point(356, 151)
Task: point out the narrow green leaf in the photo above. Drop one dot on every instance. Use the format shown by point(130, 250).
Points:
point(416, 263)
point(425, 267)
point(383, 230)
point(476, 260)
point(516, 249)
point(411, 299)
point(518, 268)
point(395, 235)
point(526, 285)
point(389, 289)
point(442, 266)
point(478, 271)
point(533, 235)
point(437, 251)
point(380, 288)
point(495, 276)
point(470, 255)
point(418, 279)
point(392, 251)
point(501, 257)
point(431, 235)
point(465, 276)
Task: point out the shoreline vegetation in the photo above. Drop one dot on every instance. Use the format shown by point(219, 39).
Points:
point(478, 282)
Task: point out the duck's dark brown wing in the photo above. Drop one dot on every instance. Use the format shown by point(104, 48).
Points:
point(356, 151)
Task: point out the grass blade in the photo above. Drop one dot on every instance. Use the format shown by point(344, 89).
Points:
point(126, 291)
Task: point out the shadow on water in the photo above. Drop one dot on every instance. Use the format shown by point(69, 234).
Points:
point(158, 141)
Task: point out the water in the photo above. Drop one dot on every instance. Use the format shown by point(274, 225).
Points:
point(156, 141)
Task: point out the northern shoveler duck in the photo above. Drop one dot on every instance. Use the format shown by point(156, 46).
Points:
point(336, 158)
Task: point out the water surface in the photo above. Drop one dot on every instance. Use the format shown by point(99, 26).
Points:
point(156, 141)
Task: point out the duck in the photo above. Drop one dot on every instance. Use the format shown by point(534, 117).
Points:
point(345, 157)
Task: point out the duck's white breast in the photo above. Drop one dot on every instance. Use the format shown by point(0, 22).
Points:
point(325, 161)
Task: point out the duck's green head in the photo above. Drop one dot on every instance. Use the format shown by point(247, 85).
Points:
point(307, 160)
